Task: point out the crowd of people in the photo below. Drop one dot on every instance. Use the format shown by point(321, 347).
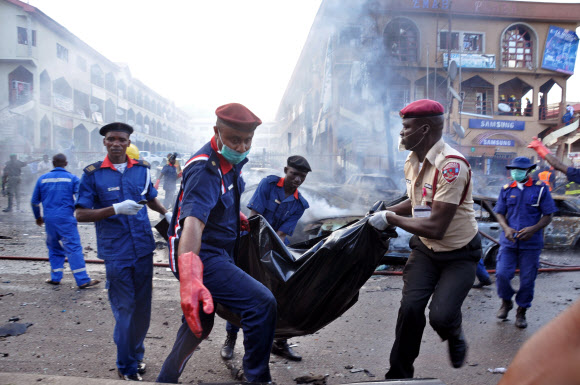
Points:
point(206, 223)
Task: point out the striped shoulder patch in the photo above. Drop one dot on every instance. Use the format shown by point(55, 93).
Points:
point(92, 167)
point(505, 186)
point(197, 158)
point(539, 183)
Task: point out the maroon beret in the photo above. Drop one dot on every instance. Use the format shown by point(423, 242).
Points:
point(237, 117)
point(423, 108)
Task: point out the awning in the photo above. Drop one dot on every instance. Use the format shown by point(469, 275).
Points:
point(553, 137)
point(486, 135)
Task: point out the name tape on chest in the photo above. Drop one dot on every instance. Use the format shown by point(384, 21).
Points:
point(451, 171)
point(114, 188)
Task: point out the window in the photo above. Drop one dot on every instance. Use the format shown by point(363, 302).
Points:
point(61, 52)
point(517, 47)
point(23, 36)
point(81, 63)
point(401, 40)
point(468, 42)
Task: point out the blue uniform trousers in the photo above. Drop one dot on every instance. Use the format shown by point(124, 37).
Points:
point(130, 288)
point(66, 232)
point(481, 272)
point(233, 288)
point(528, 261)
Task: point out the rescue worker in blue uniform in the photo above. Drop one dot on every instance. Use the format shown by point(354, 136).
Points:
point(203, 241)
point(281, 204)
point(573, 174)
point(113, 194)
point(523, 209)
point(56, 191)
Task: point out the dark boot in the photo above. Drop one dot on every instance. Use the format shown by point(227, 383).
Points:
point(282, 349)
point(503, 311)
point(521, 318)
point(457, 349)
point(129, 377)
point(227, 351)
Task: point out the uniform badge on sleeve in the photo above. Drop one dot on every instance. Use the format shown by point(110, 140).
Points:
point(451, 171)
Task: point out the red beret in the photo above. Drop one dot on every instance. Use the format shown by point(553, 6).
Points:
point(237, 116)
point(423, 108)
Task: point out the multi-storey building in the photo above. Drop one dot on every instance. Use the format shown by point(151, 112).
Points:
point(56, 91)
point(364, 60)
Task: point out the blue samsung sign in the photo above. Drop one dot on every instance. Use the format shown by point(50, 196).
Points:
point(490, 124)
point(498, 142)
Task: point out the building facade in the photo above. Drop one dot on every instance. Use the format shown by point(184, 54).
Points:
point(56, 92)
point(499, 68)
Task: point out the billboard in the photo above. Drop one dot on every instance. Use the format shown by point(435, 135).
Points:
point(560, 51)
point(514, 125)
point(471, 60)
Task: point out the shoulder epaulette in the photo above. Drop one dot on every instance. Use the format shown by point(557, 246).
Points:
point(539, 183)
point(143, 163)
point(505, 186)
point(92, 167)
point(272, 179)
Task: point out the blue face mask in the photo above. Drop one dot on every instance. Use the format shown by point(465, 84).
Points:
point(518, 175)
point(231, 155)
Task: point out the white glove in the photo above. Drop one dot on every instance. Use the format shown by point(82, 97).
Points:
point(168, 216)
point(379, 220)
point(128, 207)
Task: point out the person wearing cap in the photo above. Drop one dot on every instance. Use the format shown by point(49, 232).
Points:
point(573, 174)
point(281, 204)
point(445, 247)
point(56, 191)
point(524, 207)
point(44, 166)
point(203, 241)
point(113, 194)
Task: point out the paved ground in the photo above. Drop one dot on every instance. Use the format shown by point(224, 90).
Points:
point(71, 333)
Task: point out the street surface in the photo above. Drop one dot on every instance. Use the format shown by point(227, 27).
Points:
point(72, 330)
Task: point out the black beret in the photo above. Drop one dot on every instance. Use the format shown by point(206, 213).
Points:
point(299, 163)
point(116, 126)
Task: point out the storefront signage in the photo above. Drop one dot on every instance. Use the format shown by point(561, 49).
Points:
point(498, 142)
point(560, 51)
point(471, 60)
point(497, 124)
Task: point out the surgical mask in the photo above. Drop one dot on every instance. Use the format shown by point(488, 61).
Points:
point(518, 175)
point(231, 155)
point(402, 147)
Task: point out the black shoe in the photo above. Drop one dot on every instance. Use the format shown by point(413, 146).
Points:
point(51, 282)
point(227, 351)
point(506, 306)
point(282, 349)
point(7, 210)
point(521, 318)
point(141, 367)
point(457, 350)
point(129, 377)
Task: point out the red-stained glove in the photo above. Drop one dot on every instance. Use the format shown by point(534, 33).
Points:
point(157, 184)
point(244, 223)
point(539, 148)
point(192, 291)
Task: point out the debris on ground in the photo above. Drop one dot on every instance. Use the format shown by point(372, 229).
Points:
point(319, 379)
point(497, 370)
point(14, 329)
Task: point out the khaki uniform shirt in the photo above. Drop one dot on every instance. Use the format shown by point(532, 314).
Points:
point(452, 179)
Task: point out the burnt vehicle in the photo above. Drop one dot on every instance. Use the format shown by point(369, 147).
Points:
point(366, 189)
point(489, 185)
point(328, 212)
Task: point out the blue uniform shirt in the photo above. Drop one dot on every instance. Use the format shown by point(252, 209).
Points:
point(56, 191)
point(169, 175)
point(573, 174)
point(524, 208)
point(119, 237)
point(210, 191)
point(281, 212)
